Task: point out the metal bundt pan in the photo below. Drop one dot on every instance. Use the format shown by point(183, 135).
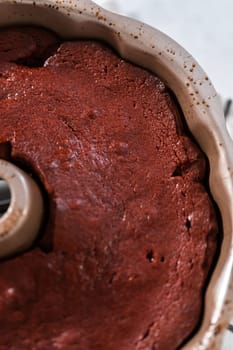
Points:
point(198, 99)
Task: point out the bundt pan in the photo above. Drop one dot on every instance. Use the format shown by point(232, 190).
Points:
point(149, 48)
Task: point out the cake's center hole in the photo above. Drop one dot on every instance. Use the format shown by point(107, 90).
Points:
point(5, 196)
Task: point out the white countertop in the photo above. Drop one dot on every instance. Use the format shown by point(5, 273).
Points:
point(205, 29)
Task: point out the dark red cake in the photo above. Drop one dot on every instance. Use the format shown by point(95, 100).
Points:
point(130, 232)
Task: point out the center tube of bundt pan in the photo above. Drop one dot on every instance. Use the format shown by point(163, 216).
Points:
point(21, 210)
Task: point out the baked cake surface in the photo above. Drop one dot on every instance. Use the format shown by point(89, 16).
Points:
point(131, 233)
